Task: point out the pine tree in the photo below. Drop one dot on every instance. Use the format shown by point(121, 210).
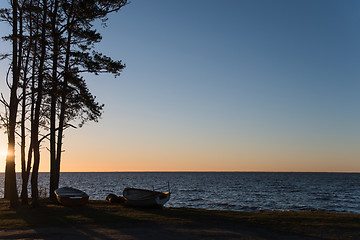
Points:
point(53, 44)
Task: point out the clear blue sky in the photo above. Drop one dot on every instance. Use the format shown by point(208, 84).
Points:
point(226, 85)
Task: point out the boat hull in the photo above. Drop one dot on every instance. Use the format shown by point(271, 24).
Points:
point(73, 202)
point(145, 198)
point(71, 197)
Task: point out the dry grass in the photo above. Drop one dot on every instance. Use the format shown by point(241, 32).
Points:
point(100, 213)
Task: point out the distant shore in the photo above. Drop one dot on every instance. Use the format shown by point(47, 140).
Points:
point(102, 220)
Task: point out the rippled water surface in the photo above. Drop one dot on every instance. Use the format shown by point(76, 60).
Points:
point(339, 192)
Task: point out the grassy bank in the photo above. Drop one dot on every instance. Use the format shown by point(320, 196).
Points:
point(103, 214)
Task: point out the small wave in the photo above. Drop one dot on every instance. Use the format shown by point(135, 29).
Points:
point(323, 198)
point(196, 190)
point(303, 208)
point(253, 208)
point(196, 199)
point(223, 204)
point(192, 190)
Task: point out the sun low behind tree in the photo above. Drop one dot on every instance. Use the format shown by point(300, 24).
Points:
point(53, 45)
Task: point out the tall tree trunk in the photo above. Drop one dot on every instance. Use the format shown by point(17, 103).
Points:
point(10, 175)
point(24, 195)
point(54, 182)
point(35, 135)
point(31, 147)
point(26, 164)
point(32, 107)
point(63, 98)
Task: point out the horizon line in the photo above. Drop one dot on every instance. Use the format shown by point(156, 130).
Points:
point(202, 171)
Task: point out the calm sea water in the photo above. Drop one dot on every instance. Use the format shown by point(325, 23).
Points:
point(334, 192)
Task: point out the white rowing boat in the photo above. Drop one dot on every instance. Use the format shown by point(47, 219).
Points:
point(145, 198)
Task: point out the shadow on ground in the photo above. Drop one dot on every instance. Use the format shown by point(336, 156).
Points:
point(95, 221)
point(101, 220)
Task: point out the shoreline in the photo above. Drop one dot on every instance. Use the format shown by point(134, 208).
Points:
point(114, 221)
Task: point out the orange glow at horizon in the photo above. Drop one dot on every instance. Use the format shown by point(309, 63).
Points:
point(123, 163)
point(87, 154)
point(204, 161)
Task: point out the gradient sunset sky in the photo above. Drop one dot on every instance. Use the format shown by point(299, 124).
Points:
point(234, 85)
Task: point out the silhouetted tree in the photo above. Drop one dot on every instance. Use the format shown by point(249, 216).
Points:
point(53, 44)
point(35, 129)
point(24, 85)
point(75, 100)
point(54, 94)
point(33, 13)
point(25, 56)
point(10, 175)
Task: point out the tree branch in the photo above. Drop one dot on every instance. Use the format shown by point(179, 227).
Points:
point(57, 129)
